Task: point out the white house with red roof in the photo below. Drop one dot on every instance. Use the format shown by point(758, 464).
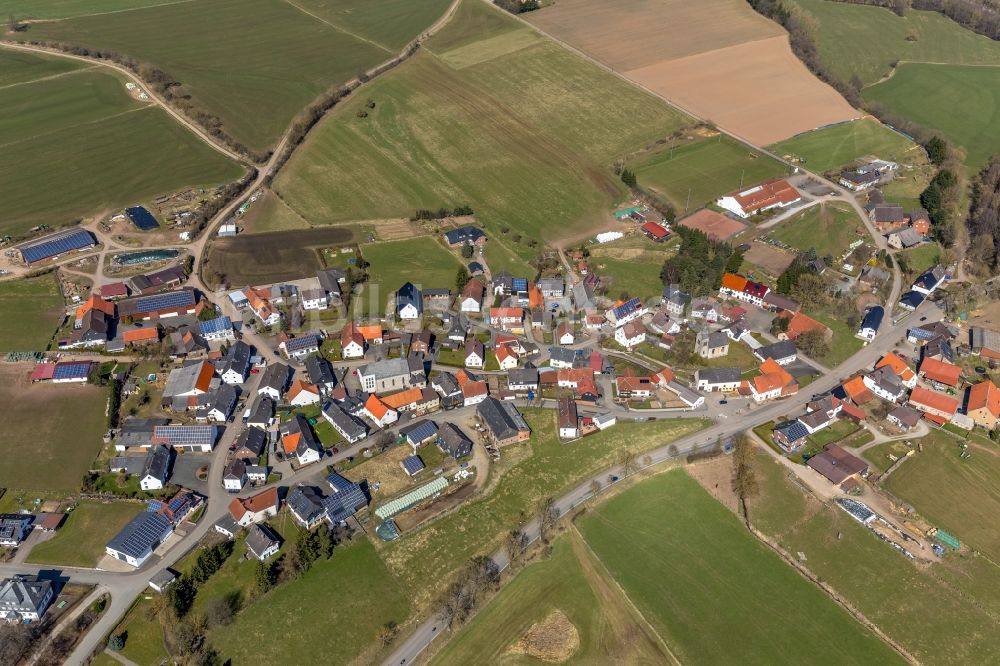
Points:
point(772, 194)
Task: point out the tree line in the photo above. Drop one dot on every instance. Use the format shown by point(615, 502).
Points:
point(699, 266)
point(979, 16)
point(984, 216)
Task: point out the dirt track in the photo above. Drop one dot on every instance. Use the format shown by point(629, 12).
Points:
point(716, 58)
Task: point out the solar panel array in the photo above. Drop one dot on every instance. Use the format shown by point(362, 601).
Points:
point(167, 301)
point(216, 325)
point(626, 308)
point(142, 218)
point(412, 464)
point(519, 284)
point(56, 244)
point(184, 435)
point(305, 342)
point(72, 370)
point(142, 534)
point(422, 432)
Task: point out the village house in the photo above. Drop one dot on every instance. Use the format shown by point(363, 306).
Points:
point(631, 335)
point(928, 281)
point(320, 373)
point(789, 435)
point(837, 465)
point(903, 417)
point(306, 506)
point(899, 366)
point(675, 300)
point(772, 382)
point(564, 334)
point(379, 413)
point(983, 404)
point(262, 542)
point(333, 281)
point(409, 303)
point(887, 217)
point(630, 387)
point(740, 288)
point(448, 388)
point(348, 426)
point(14, 528)
point(937, 407)
point(156, 468)
point(303, 393)
point(314, 299)
point(474, 354)
point(234, 477)
point(273, 381)
point(779, 303)
point(569, 421)
point(453, 441)
point(707, 309)
point(625, 312)
point(522, 379)
point(727, 380)
point(506, 357)
point(234, 368)
point(783, 352)
point(507, 319)
point(885, 383)
point(471, 299)
point(871, 323)
point(259, 302)
point(903, 239)
point(504, 424)
point(250, 444)
point(301, 346)
point(352, 342)
point(24, 599)
point(422, 342)
point(298, 440)
point(456, 238)
point(940, 372)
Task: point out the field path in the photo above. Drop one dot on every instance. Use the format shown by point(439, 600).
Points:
point(50, 76)
point(337, 27)
point(176, 115)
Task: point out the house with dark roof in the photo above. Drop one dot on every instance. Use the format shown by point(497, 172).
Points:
point(449, 389)
point(930, 280)
point(250, 444)
point(904, 417)
point(274, 381)
point(718, 379)
point(911, 300)
point(522, 379)
point(453, 441)
point(135, 543)
point(306, 506)
point(409, 303)
point(218, 405)
point(235, 365)
point(347, 499)
point(419, 432)
point(261, 412)
point(24, 599)
point(348, 426)
point(504, 424)
point(789, 435)
point(300, 346)
point(837, 465)
point(674, 299)
point(462, 235)
point(14, 528)
point(298, 440)
point(320, 373)
point(783, 352)
point(885, 383)
point(235, 475)
point(156, 468)
point(262, 542)
point(871, 323)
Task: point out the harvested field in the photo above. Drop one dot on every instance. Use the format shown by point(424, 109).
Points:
point(275, 256)
point(721, 61)
point(770, 259)
point(390, 230)
point(714, 225)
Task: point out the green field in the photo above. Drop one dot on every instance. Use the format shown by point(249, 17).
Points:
point(632, 264)
point(252, 63)
point(697, 173)
point(422, 260)
point(919, 259)
point(80, 541)
point(959, 496)
point(390, 23)
point(572, 582)
point(867, 41)
point(52, 128)
point(697, 575)
point(346, 599)
point(945, 614)
point(19, 67)
point(834, 147)
point(843, 345)
point(33, 309)
point(56, 435)
point(57, 9)
point(424, 559)
point(927, 94)
point(524, 138)
point(828, 229)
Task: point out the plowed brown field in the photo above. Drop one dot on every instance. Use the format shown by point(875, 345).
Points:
point(718, 59)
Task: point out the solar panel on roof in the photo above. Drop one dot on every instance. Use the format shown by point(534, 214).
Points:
point(626, 307)
point(169, 300)
point(70, 370)
point(413, 464)
point(56, 244)
point(142, 218)
point(422, 432)
point(519, 284)
point(215, 325)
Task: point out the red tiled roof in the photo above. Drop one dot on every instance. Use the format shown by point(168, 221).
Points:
point(985, 394)
point(921, 397)
point(141, 335)
point(857, 391)
point(734, 282)
point(655, 230)
point(940, 371)
point(403, 398)
point(897, 365)
point(376, 407)
point(299, 386)
point(766, 194)
point(800, 323)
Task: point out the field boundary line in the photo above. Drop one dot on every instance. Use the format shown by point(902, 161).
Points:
point(337, 27)
point(89, 122)
point(112, 11)
point(49, 77)
point(599, 564)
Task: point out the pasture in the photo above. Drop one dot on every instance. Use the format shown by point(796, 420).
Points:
point(827, 228)
point(266, 59)
point(570, 582)
point(868, 41)
point(632, 264)
point(51, 129)
point(425, 559)
point(697, 173)
point(841, 145)
point(944, 613)
point(354, 592)
point(34, 310)
point(80, 541)
point(927, 94)
point(702, 56)
point(57, 432)
point(524, 138)
point(959, 496)
point(250, 259)
point(696, 574)
point(423, 261)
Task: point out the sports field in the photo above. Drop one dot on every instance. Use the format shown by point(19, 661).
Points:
point(960, 101)
point(959, 496)
point(34, 309)
point(867, 41)
point(252, 63)
point(571, 582)
point(524, 138)
point(250, 259)
point(697, 575)
point(423, 261)
point(697, 173)
point(57, 432)
point(76, 144)
point(828, 229)
point(840, 145)
point(426, 558)
point(942, 614)
point(717, 58)
point(88, 528)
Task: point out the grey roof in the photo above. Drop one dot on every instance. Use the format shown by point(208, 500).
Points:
point(390, 367)
point(420, 431)
point(163, 578)
point(236, 469)
point(253, 440)
point(345, 502)
point(887, 380)
point(474, 346)
point(686, 394)
point(719, 375)
point(301, 342)
point(522, 376)
point(262, 410)
point(227, 524)
point(157, 463)
point(23, 593)
point(306, 502)
point(223, 399)
point(552, 284)
point(137, 432)
point(412, 464)
point(320, 371)
point(275, 376)
point(447, 382)
point(908, 237)
point(182, 379)
point(563, 354)
point(236, 359)
point(906, 415)
point(330, 278)
point(502, 418)
point(777, 350)
point(792, 430)
point(141, 535)
point(345, 422)
point(815, 419)
point(779, 301)
point(307, 439)
point(408, 294)
point(718, 339)
point(260, 538)
point(888, 213)
point(452, 440)
point(672, 294)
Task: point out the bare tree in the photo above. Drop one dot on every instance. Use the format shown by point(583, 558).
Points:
point(627, 461)
point(548, 514)
point(595, 487)
point(515, 545)
point(387, 633)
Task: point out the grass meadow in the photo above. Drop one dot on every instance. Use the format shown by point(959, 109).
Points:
point(827, 228)
point(571, 581)
point(33, 308)
point(422, 260)
point(524, 137)
point(959, 101)
point(268, 58)
point(697, 575)
point(944, 614)
point(56, 435)
point(425, 559)
point(838, 146)
point(75, 143)
point(867, 41)
point(80, 541)
point(698, 173)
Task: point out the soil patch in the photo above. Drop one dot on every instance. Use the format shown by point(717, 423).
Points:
point(716, 476)
point(769, 259)
point(553, 640)
point(272, 257)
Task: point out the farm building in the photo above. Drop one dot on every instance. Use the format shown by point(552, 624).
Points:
point(763, 197)
point(53, 245)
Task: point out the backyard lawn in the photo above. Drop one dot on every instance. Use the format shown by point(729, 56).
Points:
point(827, 229)
point(696, 575)
point(32, 310)
point(88, 528)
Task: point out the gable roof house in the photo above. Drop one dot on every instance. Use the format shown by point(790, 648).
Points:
point(24, 599)
point(522, 379)
point(186, 342)
point(273, 381)
point(352, 342)
point(674, 299)
point(506, 357)
point(186, 383)
point(298, 440)
point(91, 330)
point(160, 306)
point(453, 441)
point(155, 468)
point(258, 300)
point(625, 312)
point(262, 542)
point(300, 346)
point(347, 499)
point(462, 235)
point(235, 365)
point(887, 217)
point(928, 282)
point(409, 303)
point(314, 299)
point(235, 476)
point(937, 407)
point(983, 404)
point(380, 413)
point(474, 353)
point(885, 383)
point(306, 506)
point(899, 366)
point(940, 372)
point(504, 424)
point(14, 528)
point(348, 426)
point(569, 421)
point(904, 417)
point(448, 388)
point(631, 334)
point(255, 509)
point(320, 373)
point(772, 382)
point(303, 393)
point(718, 379)
point(471, 299)
point(771, 194)
point(249, 444)
point(135, 543)
point(870, 324)
point(790, 435)
point(783, 352)
point(905, 238)
point(837, 465)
